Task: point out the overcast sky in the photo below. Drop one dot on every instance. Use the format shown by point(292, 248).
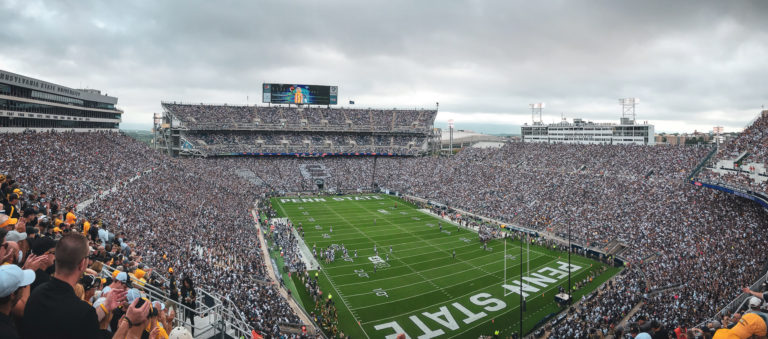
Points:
point(693, 64)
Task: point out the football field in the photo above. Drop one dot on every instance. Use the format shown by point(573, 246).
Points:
point(419, 287)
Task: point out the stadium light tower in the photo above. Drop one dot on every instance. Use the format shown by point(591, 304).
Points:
point(628, 108)
point(157, 121)
point(537, 108)
point(718, 130)
point(450, 136)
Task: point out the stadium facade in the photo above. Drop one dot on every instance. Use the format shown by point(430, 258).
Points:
point(32, 104)
point(226, 130)
point(588, 132)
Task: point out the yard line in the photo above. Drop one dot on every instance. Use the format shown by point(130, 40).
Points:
point(443, 276)
point(448, 253)
point(338, 239)
point(430, 269)
point(371, 227)
point(346, 266)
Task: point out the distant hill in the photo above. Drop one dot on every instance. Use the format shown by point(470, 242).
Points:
point(140, 135)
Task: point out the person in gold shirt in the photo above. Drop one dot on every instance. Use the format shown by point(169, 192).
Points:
point(70, 218)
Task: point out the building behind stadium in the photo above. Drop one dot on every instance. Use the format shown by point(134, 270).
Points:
point(588, 132)
point(580, 131)
point(31, 104)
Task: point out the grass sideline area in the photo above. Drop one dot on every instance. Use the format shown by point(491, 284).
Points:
point(422, 290)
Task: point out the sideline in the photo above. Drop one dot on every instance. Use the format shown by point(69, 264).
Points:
point(271, 273)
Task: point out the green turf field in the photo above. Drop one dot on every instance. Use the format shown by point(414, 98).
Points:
point(422, 290)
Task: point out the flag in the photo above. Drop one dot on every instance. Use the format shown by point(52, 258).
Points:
point(255, 335)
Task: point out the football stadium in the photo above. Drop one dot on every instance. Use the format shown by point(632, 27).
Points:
point(302, 216)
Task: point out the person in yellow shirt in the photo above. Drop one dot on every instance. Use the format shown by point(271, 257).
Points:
point(86, 227)
point(71, 218)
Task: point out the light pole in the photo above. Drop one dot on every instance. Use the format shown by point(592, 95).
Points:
point(450, 136)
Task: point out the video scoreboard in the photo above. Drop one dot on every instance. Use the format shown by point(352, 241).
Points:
point(300, 94)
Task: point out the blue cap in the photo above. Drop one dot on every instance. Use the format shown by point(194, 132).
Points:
point(132, 295)
point(12, 278)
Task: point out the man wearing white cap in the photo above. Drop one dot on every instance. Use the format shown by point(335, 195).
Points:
point(13, 281)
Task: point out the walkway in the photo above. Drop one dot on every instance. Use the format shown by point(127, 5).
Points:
point(271, 273)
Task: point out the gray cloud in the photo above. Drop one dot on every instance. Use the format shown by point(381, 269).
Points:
point(693, 63)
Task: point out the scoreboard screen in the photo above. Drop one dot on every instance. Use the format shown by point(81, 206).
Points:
point(300, 94)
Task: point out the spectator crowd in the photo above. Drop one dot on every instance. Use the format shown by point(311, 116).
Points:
point(743, 161)
point(224, 142)
point(203, 116)
point(689, 249)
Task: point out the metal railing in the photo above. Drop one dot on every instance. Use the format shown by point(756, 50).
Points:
point(221, 314)
point(703, 163)
point(736, 304)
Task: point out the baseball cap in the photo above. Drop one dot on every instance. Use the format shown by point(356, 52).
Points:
point(123, 278)
point(179, 333)
point(15, 236)
point(132, 295)
point(12, 277)
point(750, 324)
point(5, 220)
point(753, 302)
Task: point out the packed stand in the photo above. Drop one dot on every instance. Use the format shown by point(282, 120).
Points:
point(157, 221)
point(747, 172)
point(222, 142)
point(52, 270)
point(214, 240)
point(85, 163)
point(203, 116)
